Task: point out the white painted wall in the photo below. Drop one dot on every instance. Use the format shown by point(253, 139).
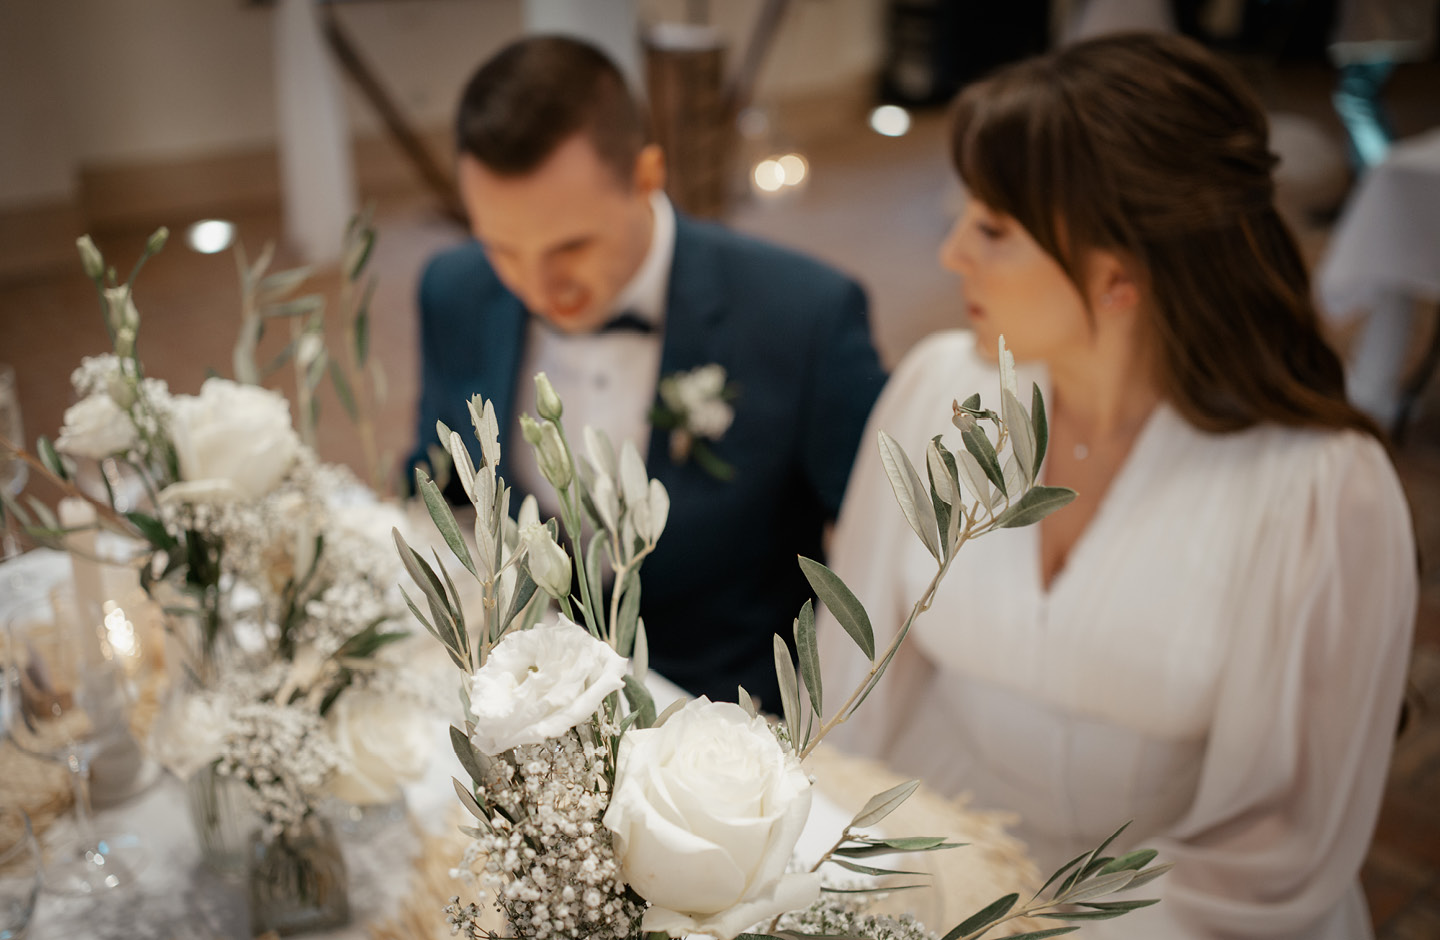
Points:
point(113, 82)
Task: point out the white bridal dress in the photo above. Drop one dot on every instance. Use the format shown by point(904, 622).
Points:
point(1221, 659)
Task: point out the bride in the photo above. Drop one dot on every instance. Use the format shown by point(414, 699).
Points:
point(1211, 640)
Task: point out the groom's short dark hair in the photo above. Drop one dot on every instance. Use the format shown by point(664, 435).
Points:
point(536, 94)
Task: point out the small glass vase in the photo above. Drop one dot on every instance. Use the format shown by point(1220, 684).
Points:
point(298, 881)
point(223, 819)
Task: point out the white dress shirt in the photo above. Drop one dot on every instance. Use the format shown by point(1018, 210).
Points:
point(606, 380)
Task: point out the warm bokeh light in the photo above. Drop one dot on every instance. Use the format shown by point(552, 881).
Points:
point(211, 236)
point(794, 168)
point(890, 120)
point(120, 632)
point(769, 176)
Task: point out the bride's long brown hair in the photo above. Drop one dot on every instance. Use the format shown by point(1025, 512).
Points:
point(1149, 145)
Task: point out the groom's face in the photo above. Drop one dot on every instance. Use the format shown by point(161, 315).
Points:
point(567, 237)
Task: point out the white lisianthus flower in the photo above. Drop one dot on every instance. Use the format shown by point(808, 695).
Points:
point(382, 741)
point(96, 427)
point(189, 732)
point(547, 562)
point(705, 813)
point(233, 437)
point(540, 683)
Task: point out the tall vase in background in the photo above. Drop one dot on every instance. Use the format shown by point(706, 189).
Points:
point(185, 739)
point(223, 820)
point(297, 880)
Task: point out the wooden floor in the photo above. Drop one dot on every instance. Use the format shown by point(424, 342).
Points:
point(874, 206)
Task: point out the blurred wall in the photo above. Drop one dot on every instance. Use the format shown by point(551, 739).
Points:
point(105, 83)
point(97, 83)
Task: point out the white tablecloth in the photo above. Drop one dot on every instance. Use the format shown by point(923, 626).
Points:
point(1388, 239)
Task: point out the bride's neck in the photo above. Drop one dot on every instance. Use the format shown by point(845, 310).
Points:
point(1104, 393)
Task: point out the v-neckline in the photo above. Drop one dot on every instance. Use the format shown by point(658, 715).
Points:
point(1118, 484)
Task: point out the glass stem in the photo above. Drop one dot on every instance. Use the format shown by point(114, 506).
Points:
point(80, 784)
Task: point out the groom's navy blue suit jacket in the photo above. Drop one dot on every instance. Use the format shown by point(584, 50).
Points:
point(793, 337)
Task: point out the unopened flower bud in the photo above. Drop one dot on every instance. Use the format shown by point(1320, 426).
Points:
point(309, 349)
point(90, 258)
point(121, 389)
point(157, 240)
point(547, 401)
point(546, 561)
point(120, 311)
point(529, 429)
point(554, 457)
point(125, 342)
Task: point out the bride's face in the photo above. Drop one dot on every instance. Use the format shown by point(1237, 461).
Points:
point(1012, 287)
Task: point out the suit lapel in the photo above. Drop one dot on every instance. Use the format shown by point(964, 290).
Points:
point(694, 316)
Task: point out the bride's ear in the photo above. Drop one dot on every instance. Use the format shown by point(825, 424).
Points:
point(1114, 286)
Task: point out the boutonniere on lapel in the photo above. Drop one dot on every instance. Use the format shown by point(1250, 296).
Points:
point(695, 408)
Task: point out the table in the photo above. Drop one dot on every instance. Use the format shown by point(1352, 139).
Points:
point(1385, 254)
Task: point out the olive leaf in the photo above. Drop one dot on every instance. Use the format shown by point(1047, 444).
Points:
point(1037, 503)
point(1022, 433)
point(807, 648)
point(990, 914)
point(1041, 428)
point(910, 493)
point(789, 690)
point(883, 804)
point(977, 443)
point(842, 603)
point(443, 518)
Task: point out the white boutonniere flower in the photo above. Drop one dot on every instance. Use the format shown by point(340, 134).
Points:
point(695, 408)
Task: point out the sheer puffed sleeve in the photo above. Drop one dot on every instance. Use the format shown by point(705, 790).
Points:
point(1299, 747)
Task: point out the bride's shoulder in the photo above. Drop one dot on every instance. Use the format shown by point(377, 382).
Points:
point(946, 360)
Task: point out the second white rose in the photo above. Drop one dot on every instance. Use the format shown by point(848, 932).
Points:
point(233, 437)
point(383, 740)
point(705, 814)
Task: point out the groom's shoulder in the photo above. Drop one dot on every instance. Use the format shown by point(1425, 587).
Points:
point(460, 270)
point(764, 268)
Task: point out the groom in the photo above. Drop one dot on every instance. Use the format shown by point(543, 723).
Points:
point(581, 268)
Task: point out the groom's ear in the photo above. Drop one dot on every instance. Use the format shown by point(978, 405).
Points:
point(649, 174)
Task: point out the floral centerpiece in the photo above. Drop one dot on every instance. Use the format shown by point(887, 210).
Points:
point(278, 580)
point(594, 816)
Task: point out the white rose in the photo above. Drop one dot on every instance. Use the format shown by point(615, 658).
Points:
point(188, 732)
point(383, 741)
point(95, 427)
point(705, 814)
point(539, 683)
point(233, 437)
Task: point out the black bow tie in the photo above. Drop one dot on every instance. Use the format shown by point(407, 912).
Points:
point(628, 322)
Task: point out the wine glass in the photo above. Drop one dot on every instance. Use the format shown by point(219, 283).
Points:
point(66, 698)
point(13, 471)
point(19, 872)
